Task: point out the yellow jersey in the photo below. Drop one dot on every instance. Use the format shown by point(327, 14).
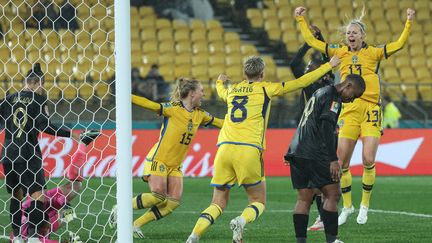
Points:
point(178, 129)
point(249, 107)
point(364, 62)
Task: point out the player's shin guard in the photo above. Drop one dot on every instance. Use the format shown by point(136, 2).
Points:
point(76, 166)
point(300, 226)
point(15, 215)
point(206, 219)
point(157, 212)
point(37, 218)
point(330, 220)
point(147, 200)
point(368, 180)
point(346, 182)
point(253, 211)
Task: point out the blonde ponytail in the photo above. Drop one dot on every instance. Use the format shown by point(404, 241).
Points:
point(182, 88)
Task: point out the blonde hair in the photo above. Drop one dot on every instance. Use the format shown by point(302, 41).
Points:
point(253, 67)
point(182, 88)
point(356, 21)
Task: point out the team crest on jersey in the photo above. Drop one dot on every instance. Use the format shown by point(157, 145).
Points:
point(162, 168)
point(334, 46)
point(354, 59)
point(341, 123)
point(335, 107)
point(190, 126)
point(166, 105)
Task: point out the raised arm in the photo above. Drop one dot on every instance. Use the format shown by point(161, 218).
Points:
point(397, 45)
point(146, 103)
point(306, 32)
point(220, 87)
point(310, 77)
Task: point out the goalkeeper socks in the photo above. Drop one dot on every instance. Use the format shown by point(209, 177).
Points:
point(253, 211)
point(206, 219)
point(78, 160)
point(55, 198)
point(346, 182)
point(157, 212)
point(330, 220)
point(368, 180)
point(15, 215)
point(300, 226)
point(36, 218)
point(147, 200)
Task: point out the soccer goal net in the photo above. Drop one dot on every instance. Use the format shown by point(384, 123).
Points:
point(73, 40)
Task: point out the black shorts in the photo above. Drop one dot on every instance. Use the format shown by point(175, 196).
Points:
point(307, 173)
point(18, 176)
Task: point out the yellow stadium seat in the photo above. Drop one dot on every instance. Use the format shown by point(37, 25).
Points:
point(418, 62)
point(147, 23)
point(166, 59)
point(402, 62)
point(196, 24)
point(167, 72)
point(382, 27)
point(164, 34)
point(166, 47)
point(53, 91)
point(269, 14)
point(283, 13)
point(292, 46)
point(233, 60)
point(162, 24)
point(394, 91)
point(390, 4)
point(213, 24)
point(182, 71)
point(233, 47)
point(198, 35)
point(148, 34)
point(200, 47)
point(68, 90)
point(284, 74)
point(393, 15)
point(330, 13)
point(313, 3)
point(184, 58)
point(200, 59)
point(183, 47)
point(232, 37)
point(103, 90)
point(216, 60)
point(215, 35)
point(178, 24)
point(416, 39)
point(274, 34)
point(284, 3)
point(404, 4)
point(150, 46)
point(215, 71)
point(425, 92)
point(416, 51)
point(145, 11)
point(181, 35)
point(286, 25)
point(86, 91)
point(407, 75)
point(423, 74)
point(410, 92)
point(235, 73)
point(200, 73)
point(391, 75)
point(217, 47)
point(255, 18)
point(248, 50)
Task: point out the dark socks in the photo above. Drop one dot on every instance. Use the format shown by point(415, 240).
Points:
point(300, 226)
point(36, 216)
point(330, 220)
point(15, 215)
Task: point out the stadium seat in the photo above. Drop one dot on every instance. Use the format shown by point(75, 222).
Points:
point(234, 72)
point(145, 11)
point(163, 24)
point(165, 47)
point(215, 71)
point(284, 13)
point(182, 35)
point(197, 24)
point(69, 92)
point(182, 71)
point(392, 15)
point(418, 62)
point(416, 51)
point(215, 35)
point(200, 59)
point(164, 34)
point(233, 60)
point(269, 14)
point(102, 90)
point(402, 62)
point(86, 91)
point(255, 18)
point(233, 47)
point(391, 75)
point(200, 47)
point(423, 74)
point(425, 92)
point(410, 92)
point(200, 72)
point(53, 91)
point(248, 50)
point(394, 91)
point(166, 59)
point(150, 46)
point(232, 37)
point(274, 34)
point(167, 72)
point(183, 47)
point(213, 24)
point(217, 47)
point(314, 13)
point(284, 74)
point(147, 23)
point(216, 60)
point(407, 75)
point(148, 34)
point(199, 35)
point(178, 24)
point(184, 58)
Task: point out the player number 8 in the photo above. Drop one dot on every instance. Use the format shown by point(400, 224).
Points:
point(239, 103)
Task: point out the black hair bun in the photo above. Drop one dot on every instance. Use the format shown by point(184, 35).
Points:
point(37, 68)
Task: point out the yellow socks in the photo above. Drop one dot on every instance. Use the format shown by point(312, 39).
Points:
point(146, 200)
point(206, 219)
point(368, 180)
point(253, 211)
point(157, 212)
point(346, 182)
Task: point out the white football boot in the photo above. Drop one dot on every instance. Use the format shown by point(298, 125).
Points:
point(237, 226)
point(345, 213)
point(362, 216)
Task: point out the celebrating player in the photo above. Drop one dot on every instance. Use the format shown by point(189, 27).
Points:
point(362, 118)
point(242, 141)
point(162, 170)
point(312, 155)
point(25, 114)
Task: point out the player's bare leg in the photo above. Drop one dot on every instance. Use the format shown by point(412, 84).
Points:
point(210, 214)
point(370, 148)
point(256, 206)
point(329, 212)
point(301, 213)
point(319, 200)
point(345, 150)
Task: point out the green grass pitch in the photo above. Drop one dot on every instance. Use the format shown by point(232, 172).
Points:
point(401, 211)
